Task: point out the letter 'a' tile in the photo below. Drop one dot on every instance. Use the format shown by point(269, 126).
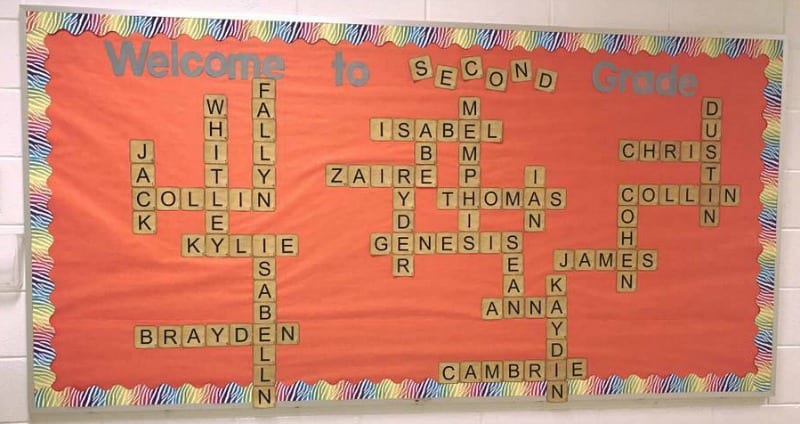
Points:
point(263, 109)
point(193, 336)
point(143, 175)
point(491, 308)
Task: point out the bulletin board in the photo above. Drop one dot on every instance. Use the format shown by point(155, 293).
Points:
point(262, 213)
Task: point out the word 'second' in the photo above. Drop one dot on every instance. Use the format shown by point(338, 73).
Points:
point(192, 64)
point(472, 68)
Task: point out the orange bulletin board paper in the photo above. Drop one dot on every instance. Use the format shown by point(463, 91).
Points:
point(229, 211)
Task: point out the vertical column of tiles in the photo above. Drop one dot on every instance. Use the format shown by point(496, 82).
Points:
point(556, 337)
point(143, 186)
point(627, 222)
point(264, 116)
point(710, 170)
point(215, 176)
point(264, 246)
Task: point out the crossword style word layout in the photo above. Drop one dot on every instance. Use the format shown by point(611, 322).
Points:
point(340, 214)
point(470, 127)
point(216, 199)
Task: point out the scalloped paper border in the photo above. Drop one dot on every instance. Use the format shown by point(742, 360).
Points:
point(40, 24)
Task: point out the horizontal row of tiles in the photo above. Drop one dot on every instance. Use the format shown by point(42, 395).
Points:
point(13, 322)
point(13, 407)
point(11, 128)
point(11, 196)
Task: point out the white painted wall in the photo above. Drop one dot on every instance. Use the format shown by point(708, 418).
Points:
point(704, 16)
